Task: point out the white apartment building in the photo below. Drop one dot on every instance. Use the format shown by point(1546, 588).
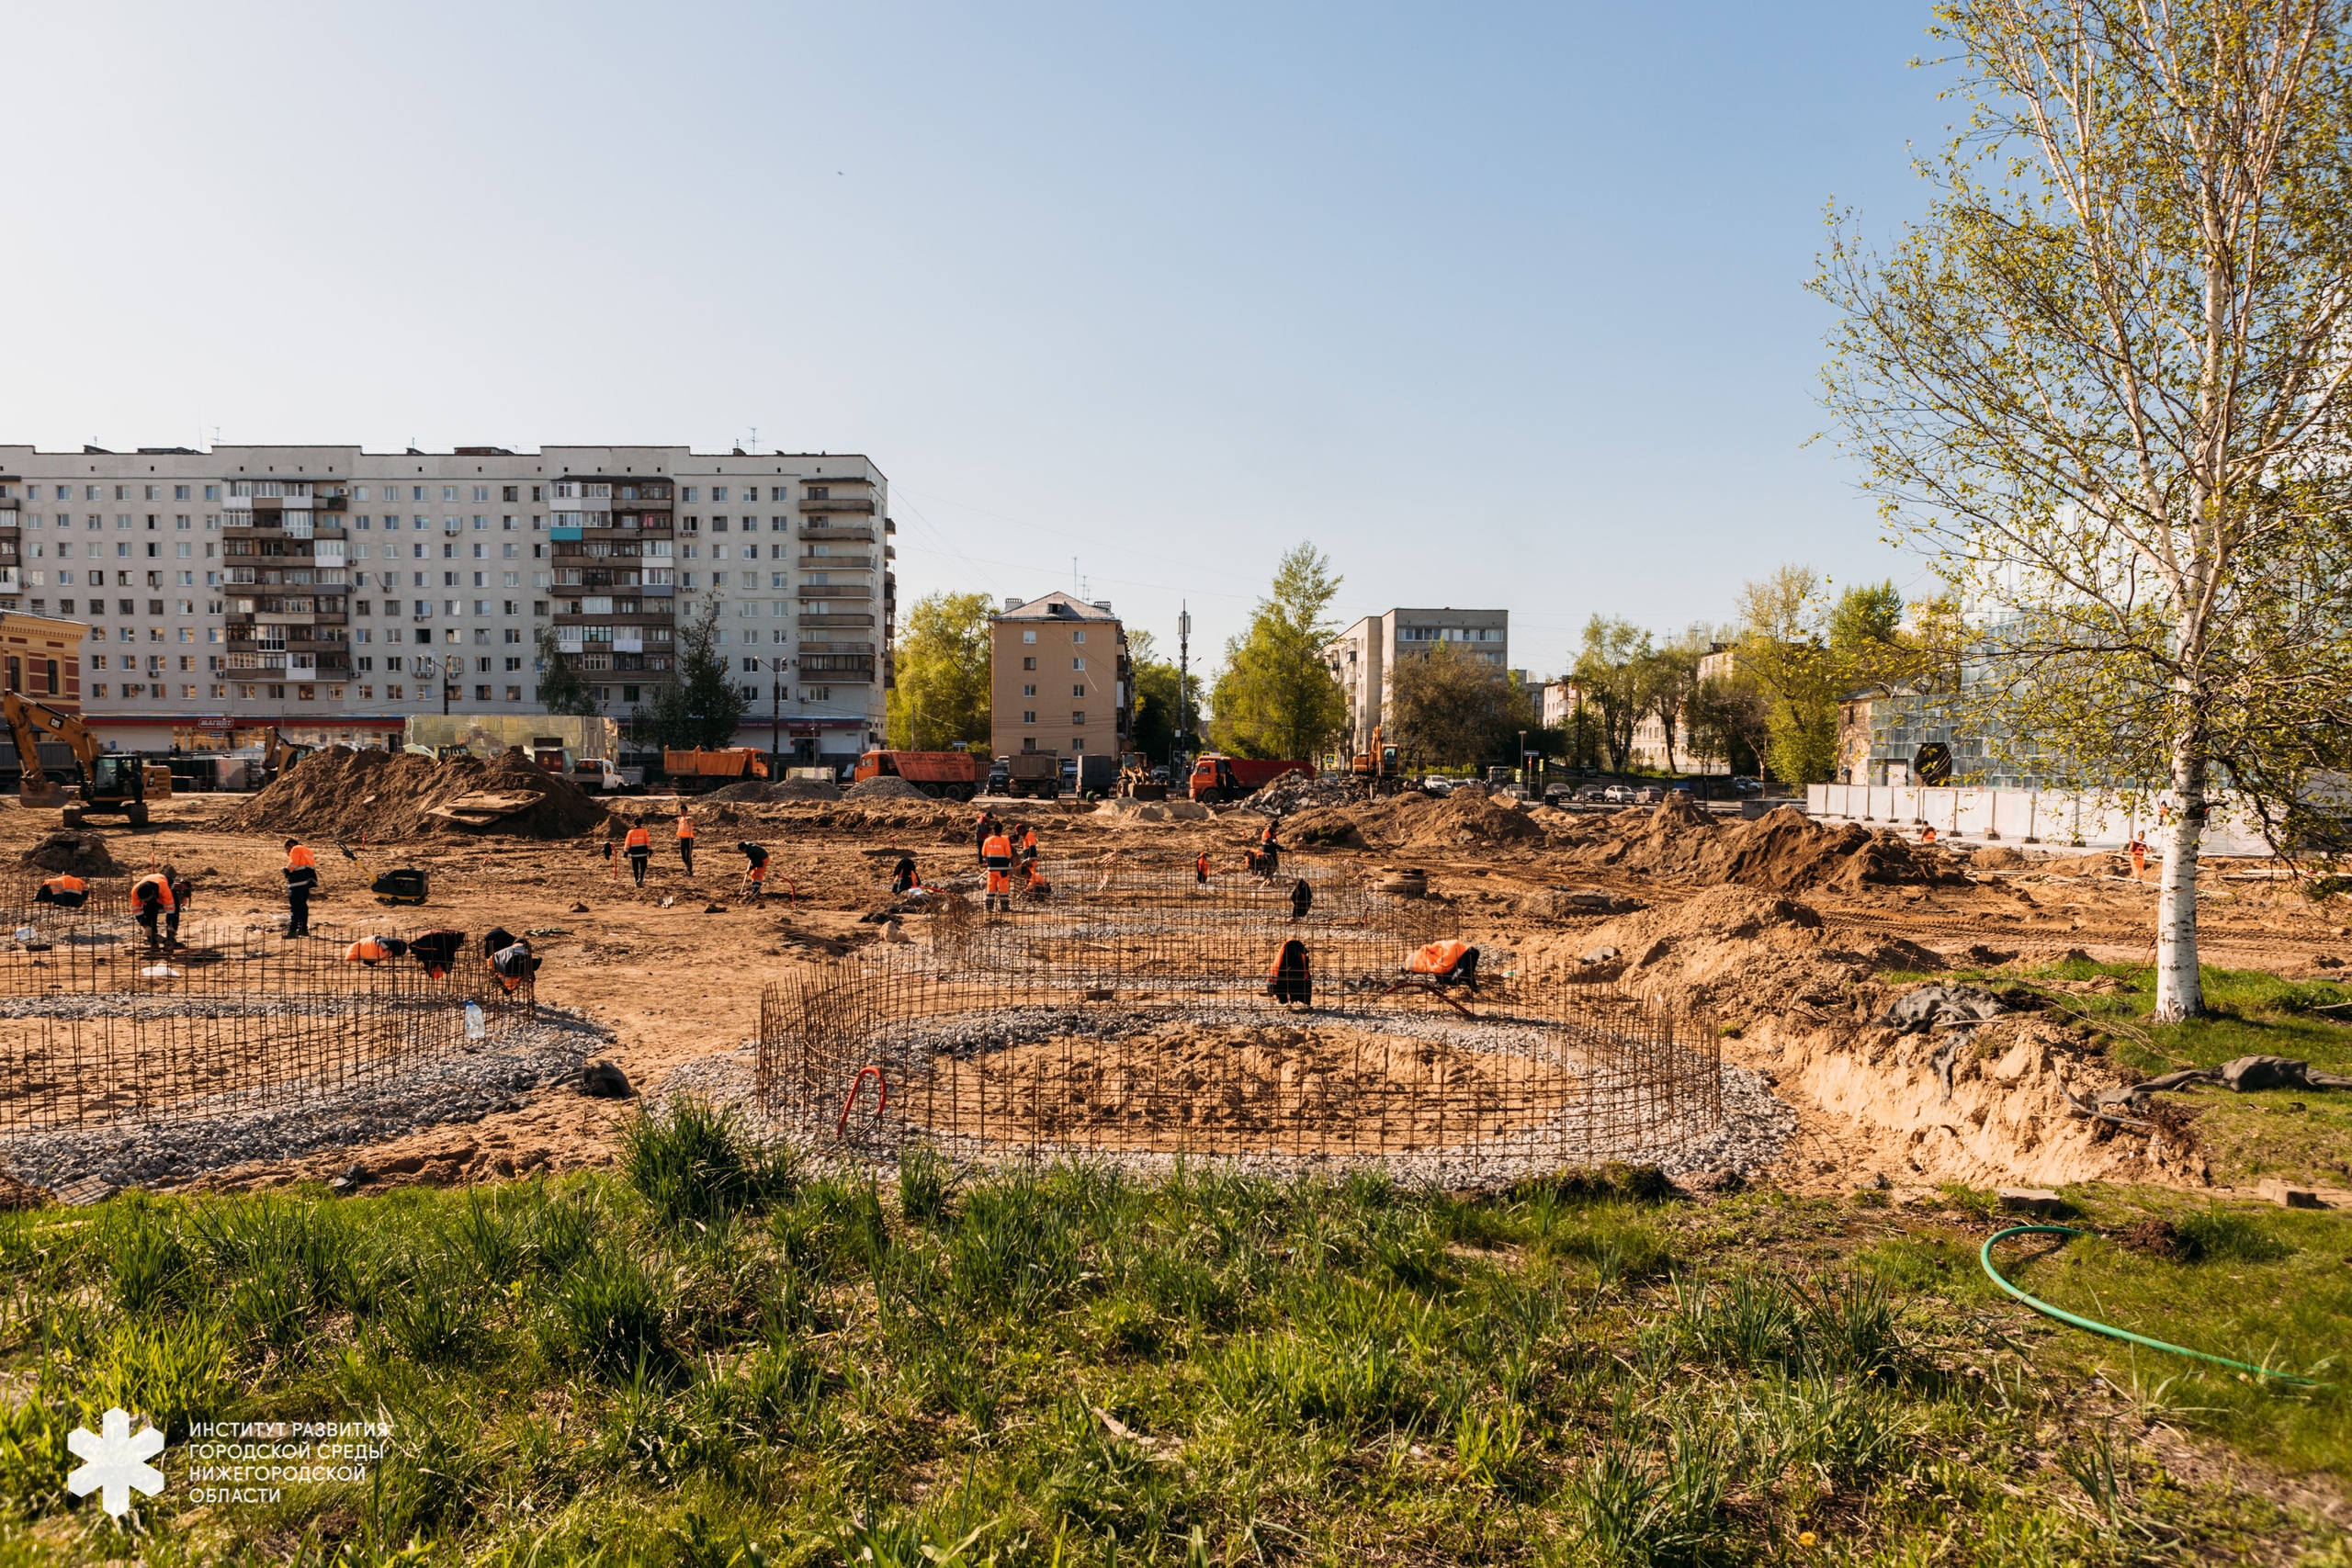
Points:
point(333, 593)
point(1362, 657)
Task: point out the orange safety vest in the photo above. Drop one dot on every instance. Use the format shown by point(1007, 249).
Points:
point(1029, 840)
point(163, 889)
point(1268, 836)
point(1290, 956)
point(299, 855)
point(66, 884)
point(1201, 862)
point(996, 852)
point(686, 826)
point(638, 838)
point(1439, 958)
point(367, 949)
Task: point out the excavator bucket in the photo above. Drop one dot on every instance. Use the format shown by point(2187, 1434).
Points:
point(38, 790)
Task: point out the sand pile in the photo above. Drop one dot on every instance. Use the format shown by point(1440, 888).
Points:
point(1782, 852)
point(69, 854)
point(883, 788)
point(341, 794)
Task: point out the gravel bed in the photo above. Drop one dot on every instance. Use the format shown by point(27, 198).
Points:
point(204, 1136)
point(1754, 1126)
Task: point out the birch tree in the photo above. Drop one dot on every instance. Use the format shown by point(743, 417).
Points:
point(2105, 379)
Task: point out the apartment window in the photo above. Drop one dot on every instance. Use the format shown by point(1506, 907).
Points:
point(507, 493)
point(1077, 690)
point(1077, 716)
point(481, 493)
point(1078, 742)
point(1078, 636)
point(179, 492)
point(1029, 637)
point(515, 694)
point(719, 493)
point(1030, 663)
point(1029, 717)
point(448, 492)
point(691, 494)
point(1078, 663)
point(1029, 690)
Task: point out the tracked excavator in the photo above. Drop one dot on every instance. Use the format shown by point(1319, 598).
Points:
point(277, 754)
point(1382, 767)
point(111, 781)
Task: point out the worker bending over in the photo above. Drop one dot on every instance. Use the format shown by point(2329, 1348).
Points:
point(151, 896)
point(1447, 963)
point(373, 950)
point(996, 854)
point(183, 895)
point(755, 874)
point(510, 957)
point(1201, 868)
point(640, 848)
point(301, 879)
point(903, 879)
point(686, 840)
point(1028, 845)
point(65, 892)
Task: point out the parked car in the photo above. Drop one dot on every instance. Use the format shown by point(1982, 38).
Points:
point(1746, 785)
point(1437, 784)
point(1648, 795)
point(1618, 794)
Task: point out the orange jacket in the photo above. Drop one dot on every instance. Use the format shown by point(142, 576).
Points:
point(66, 884)
point(299, 855)
point(686, 826)
point(638, 838)
point(156, 879)
point(1291, 955)
point(367, 949)
point(996, 852)
point(1439, 958)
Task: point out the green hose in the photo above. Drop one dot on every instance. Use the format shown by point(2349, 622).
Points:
point(1986, 1257)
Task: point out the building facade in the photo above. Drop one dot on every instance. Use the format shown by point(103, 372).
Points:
point(1058, 678)
point(1363, 658)
point(333, 593)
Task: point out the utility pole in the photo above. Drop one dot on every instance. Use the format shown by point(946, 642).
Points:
point(1183, 682)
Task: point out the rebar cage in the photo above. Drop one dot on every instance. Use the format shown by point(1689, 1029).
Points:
point(1135, 1017)
point(101, 1025)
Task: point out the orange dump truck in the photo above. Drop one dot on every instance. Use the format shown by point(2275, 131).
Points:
point(695, 769)
point(949, 775)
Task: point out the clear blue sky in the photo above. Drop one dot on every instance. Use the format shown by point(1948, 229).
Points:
point(1498, 305)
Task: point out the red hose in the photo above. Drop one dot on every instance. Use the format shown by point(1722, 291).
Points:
point(881, 1098)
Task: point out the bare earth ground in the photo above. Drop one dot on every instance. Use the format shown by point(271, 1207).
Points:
point(675, 981)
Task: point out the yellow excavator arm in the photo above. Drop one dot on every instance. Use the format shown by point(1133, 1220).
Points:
point(29, 724)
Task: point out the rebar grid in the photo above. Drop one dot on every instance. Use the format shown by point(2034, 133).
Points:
point(1122, 1031)
point(98, 1027)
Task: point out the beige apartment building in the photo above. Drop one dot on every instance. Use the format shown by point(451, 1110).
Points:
point(1362, 657)
point(1059, 678)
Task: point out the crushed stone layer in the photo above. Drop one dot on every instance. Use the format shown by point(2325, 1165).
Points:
point(201, 1137)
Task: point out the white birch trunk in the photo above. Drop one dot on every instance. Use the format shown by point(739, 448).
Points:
point(2179, 992)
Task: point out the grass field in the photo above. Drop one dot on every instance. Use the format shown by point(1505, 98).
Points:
point(707, 1358)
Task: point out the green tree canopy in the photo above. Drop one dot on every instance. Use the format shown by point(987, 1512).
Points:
point(1610, 672)
point(1275, 696)
point(698, 703)
point(1451, 709)
point(562, 689)
point(943, 673)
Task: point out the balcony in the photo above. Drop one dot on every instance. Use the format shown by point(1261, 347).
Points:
point(858, 668)
point(855, 533)
point(839, 504)
point(814, 621)
point(833, 563)
point(331, 503)
point(861, 649)
point(859, 591)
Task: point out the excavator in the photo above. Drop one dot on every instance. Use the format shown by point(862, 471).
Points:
point(1382, 765)
point(277, 754)
point(111, 781)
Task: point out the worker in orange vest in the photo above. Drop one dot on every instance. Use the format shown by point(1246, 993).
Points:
point(65, 892)
point(756, 873)
point(1448, 964)
point(302, 877)
point(1201, 868)
point(686, 839)
point(373, 950)
point(2138, 849)
point(639, 847)
point(996, 854)
point(1028, 845)
point(151, 896)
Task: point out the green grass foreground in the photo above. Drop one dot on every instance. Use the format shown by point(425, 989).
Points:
point(710, 1358)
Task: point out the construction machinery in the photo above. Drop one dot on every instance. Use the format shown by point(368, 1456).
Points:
point(951, 775)
point(111, 781)
point(1136, 782)
point(277, 754)
point(1382, 767)
point(1217, 778)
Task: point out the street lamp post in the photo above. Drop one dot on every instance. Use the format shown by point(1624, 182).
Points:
point(1183, 686)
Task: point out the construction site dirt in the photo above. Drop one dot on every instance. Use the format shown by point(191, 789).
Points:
point(1793, 937)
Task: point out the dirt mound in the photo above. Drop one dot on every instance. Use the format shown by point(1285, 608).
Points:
point(1782, 852)
point(1467, 818)
point(73, 854)
point(1322, 828)
point(1997, 857)
point(759, 791)
point(883, 788)
point(341, 794)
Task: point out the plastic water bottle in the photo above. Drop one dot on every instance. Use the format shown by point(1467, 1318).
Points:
point(474, 1026)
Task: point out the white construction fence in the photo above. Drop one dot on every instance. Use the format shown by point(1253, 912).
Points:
point(2021, 817)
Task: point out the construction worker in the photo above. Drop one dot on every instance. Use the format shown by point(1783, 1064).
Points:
point(1302, 898)
point(437, 951)
point(903, 880)
point(1927, 834)
point(2138, 849)
point(150, 897)
point(686, 840)
point(302, 877)
point(510, 958)
point(373, 950)
point(1201, 868)
point(183, 895)
point(981, 832)
point(639, 847)
point(1447, 963)
point(1035, 884)
point(65, 892)
point(1028, 845)
point(755, 875)
point(996, 854)
point(1291, 979)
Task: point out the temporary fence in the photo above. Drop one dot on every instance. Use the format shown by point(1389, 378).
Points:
point(1160, 1022)
point(98, 1027)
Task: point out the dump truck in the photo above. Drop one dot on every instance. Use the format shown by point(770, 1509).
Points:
point(693, 769)
point(1037, 773)
point(1217, 778)
point(942, 775)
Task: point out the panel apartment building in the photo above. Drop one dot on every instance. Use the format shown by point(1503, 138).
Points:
point(334, 592)
point(1362, 657)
